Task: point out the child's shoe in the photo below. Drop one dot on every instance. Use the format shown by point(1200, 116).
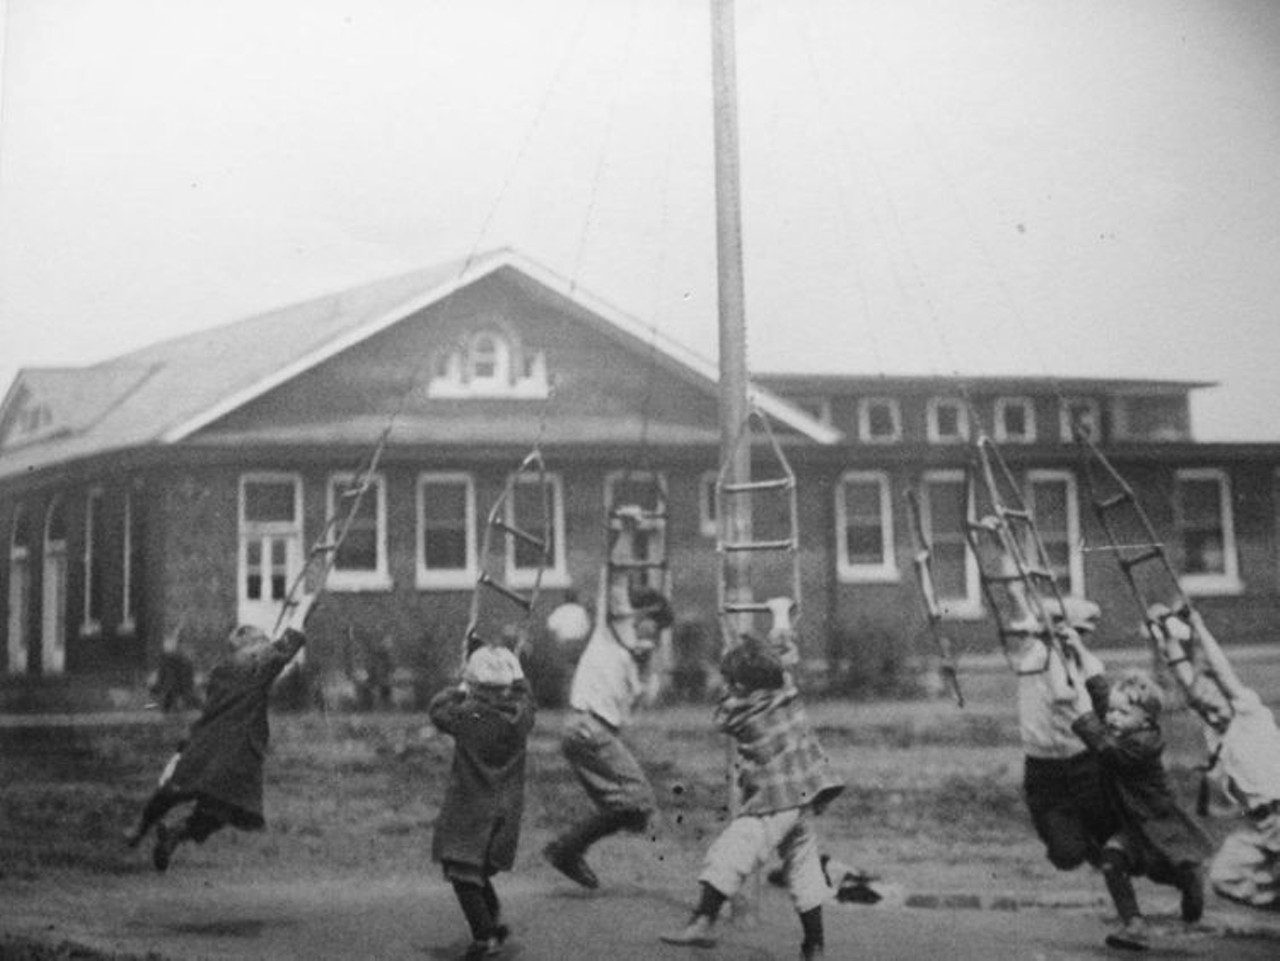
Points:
point(1132, 936)
point(478, 950)
point(697, 934)
point(1191, 884)
point(811, 952)
point(571, 865)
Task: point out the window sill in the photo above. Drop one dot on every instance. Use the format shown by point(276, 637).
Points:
point(961, 610)
point(348, 583)
point(1211, 585)
point(869, 575)
point(445, 580)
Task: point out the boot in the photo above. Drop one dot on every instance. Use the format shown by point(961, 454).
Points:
point(166, 843)
point(565, 853)
point(699, 933)
point(1132, 936)
point(1191, 884)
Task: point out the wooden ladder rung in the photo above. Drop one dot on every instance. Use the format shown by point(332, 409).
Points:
point(518, 534)
point(773, 483)
point(786, 545)
point(506, 592)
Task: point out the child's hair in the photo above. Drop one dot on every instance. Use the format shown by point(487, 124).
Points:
point(246, 636)
point(652, 604)
point(751, 665)
point(1141, 691)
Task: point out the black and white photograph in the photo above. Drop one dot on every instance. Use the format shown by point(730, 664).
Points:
point(658, 480)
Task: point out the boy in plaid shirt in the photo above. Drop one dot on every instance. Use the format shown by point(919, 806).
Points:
point(784, 778)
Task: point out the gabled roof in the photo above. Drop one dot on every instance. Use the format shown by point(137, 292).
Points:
point(165, 393)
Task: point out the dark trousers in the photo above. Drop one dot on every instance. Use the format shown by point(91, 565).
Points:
point(1069, 808)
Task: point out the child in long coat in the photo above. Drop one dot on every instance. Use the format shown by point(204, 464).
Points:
point(220, 765)
point(1157, 837)
point(490, 715)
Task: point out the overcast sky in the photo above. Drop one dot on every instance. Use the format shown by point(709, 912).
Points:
point(1053, 187)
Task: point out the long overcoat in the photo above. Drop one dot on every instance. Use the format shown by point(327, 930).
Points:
point(1134, 778)
point(479, 822)
point(227, 744)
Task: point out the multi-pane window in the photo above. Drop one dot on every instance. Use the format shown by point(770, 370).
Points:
point(879, 420)
point(530, 502)
point(95, 567)
point(864, 527)
point(948, 420)
point(1052, 499)
point(360, 516)
point(944, 511)
point(270, 543)
point(488, 358)
point(1080, 413)
point(446, 530)
point(1015, 420)
point(1206, 530)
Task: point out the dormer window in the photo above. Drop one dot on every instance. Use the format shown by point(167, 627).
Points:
point(879, 420)
point(1015, 420)
point(488, 363)
point(488, 359)
point(948, 420)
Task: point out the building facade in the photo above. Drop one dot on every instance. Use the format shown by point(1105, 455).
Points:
point(177, 490)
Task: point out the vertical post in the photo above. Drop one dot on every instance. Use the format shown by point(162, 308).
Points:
point(732, 299)
point(735, 457)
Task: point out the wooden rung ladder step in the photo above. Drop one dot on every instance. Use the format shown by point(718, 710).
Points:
point(520, 535)
point(775, 483)
point(514, 596)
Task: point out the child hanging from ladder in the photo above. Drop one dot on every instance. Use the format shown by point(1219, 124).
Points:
point(1244, 747)
point(489, 715)
point(608, 683)
point(1156, 838)
point(784, 778)
point(220, 765)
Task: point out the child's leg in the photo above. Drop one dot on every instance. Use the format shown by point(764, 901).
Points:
point(158, 805)
point(500, 930)
point(469, 887)
point(1116, 869)
point(802, 866)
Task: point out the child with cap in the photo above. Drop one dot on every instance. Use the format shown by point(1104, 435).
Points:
point(489, 715)
point(784, 779)
point(1156, 837)
point(220, 765)
point(1244, 751)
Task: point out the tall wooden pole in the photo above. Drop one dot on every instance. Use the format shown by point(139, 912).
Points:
point(732, 299)
point(736, 511)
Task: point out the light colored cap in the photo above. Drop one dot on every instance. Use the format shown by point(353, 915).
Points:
point(492, 667)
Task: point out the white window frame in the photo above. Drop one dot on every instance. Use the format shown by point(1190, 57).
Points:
point(128, 617)
point(969, 607)
point(1028, 406)
point(434, 579)
point(500, 380)
point(708, 494)
point(94, 500)
point(556, 574)
point(932, 428)
point(20, 579)
point(864, 420)
point(291, 532)
point(886, 571)
point(1075, 555)
point(1228, 582)
point(1066, 405)
point(378, 579)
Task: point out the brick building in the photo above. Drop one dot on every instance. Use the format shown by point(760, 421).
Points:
point(176, 489)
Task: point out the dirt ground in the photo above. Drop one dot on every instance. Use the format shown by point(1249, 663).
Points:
point(933, 811)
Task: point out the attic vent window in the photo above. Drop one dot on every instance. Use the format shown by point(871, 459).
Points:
point(488, 364)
